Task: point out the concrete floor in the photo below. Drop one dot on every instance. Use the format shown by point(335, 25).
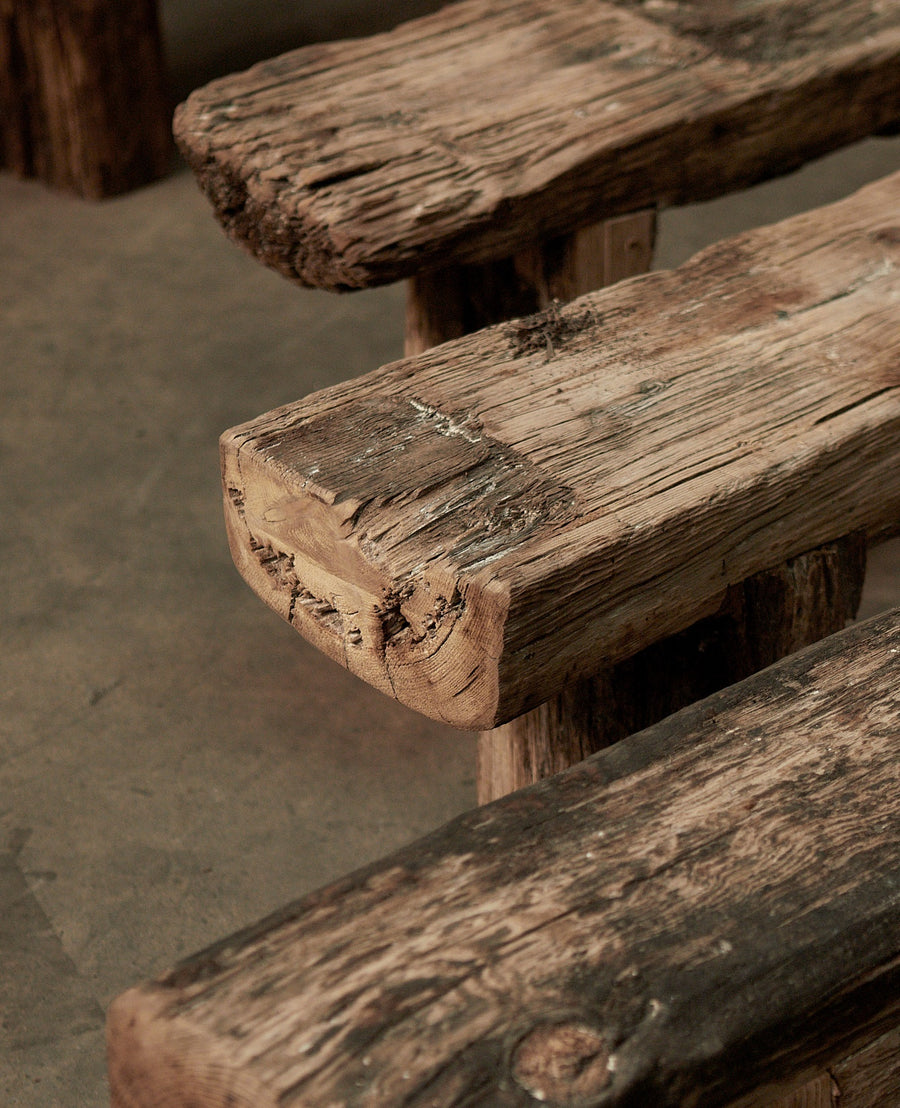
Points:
point(174, 761)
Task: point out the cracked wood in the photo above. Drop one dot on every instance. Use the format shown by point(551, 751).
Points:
point(348, 164)
point(705, 913)
point(472, 529)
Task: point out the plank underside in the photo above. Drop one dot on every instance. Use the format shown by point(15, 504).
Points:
point(706, 913)
point(492, 124)
point(472, 529)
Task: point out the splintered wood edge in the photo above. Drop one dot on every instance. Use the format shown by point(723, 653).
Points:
point(432, 641)
point(704, 913)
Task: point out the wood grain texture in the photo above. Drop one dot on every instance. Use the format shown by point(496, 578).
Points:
point(818, 1093)
point(703, 914)
point(763, 619)
point(866, 1078)
point(870, 1078)
point(490, 125)
point(83, 97)
point(473, 529)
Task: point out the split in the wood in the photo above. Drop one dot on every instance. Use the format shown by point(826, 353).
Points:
point(705, 913)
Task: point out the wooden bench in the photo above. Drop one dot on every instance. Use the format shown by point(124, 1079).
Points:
point(492, 128)
point(83, 95)
point(705, 913)
point(473, 530)
point(473, 152)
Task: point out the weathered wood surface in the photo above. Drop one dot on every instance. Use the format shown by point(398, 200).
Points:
point(761, 620)
point(83, 97)
point(473, 529)
point(817, 1093)
point(765, 618)
point(493, 124)
point(705, 913)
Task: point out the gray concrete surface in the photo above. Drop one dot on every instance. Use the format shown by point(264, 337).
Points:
point(174, 761)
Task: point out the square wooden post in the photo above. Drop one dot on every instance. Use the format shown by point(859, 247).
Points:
point(83, 94)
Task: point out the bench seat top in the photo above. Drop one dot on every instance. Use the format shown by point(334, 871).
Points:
point(471, 529)
point(469, 134)
point(703, 913)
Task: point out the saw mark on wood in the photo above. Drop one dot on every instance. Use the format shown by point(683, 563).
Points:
point(855, 404)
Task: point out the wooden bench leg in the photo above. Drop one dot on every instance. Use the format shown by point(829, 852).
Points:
point(82, 94)
point(761, 620)
point(449, 303)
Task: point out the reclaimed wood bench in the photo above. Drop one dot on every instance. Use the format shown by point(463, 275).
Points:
point(473, 530)
point(473, 153)
point(707, 913)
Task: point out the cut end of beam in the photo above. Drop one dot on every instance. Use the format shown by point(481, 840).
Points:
point(148, 1058)
point(313, 519)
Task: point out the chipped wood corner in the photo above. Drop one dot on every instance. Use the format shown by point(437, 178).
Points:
point(429, 635)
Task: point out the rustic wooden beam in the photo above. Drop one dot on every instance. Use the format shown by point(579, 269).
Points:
point(474, 529)
point(473, 133)
point(83, 95)
point(705, 913)
point(762, 619)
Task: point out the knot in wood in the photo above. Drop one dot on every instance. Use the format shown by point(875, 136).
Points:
point(547, 330)
point(564, 1064)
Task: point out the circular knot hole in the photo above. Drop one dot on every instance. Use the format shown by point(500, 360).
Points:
point(566, 1064)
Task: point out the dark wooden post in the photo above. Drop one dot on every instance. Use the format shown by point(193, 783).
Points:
point(83, 94)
